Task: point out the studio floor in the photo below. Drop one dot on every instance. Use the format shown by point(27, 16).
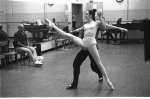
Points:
point(124, 63)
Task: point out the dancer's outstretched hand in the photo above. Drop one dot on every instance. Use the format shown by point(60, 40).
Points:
point(50, 23)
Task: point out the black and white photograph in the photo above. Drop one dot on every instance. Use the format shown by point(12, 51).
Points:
point(74, 48)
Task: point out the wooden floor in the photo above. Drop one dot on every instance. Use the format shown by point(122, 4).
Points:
point(124, 64)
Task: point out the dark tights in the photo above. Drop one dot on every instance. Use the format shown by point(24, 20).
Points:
point(81, 56)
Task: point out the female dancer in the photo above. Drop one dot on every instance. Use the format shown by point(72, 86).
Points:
point(89, 41)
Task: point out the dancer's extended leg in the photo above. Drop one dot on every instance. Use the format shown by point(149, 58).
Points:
point(75, 39)
point(94, 52)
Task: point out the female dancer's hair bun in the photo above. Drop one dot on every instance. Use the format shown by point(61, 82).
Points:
point(93, 15)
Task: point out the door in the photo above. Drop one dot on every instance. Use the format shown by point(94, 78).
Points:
point(77, 11)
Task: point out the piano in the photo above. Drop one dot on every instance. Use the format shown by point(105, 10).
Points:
point(146, 39)
point(39, 32)
point(142, 25)
point(134, 25)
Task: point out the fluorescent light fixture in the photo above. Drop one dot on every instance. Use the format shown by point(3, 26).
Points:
point(48, 1)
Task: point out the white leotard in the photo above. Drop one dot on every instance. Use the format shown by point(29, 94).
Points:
point(88, 41)
point(90, 30)
point(89, 35)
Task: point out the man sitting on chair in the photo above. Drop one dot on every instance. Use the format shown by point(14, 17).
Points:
point(20, 39)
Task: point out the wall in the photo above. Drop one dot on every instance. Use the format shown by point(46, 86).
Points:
point(3, 14)
point(18, 11)
point(149, 10)
point(128, 9)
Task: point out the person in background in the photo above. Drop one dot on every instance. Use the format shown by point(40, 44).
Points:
point(74, 26)
point(119, 21)
point(73, 22)
point(3, 38)
point(21, 44)
point(3, 34)
point(50, 28)
point(54, 20)
point(109, 35)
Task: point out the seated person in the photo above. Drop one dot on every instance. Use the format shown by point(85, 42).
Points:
point(51, 29)
point(3, 34)
point(54, 20)
point(3, 37)
point(109, 34)
point(119, 21)
point(115, 31)
point(20, 39)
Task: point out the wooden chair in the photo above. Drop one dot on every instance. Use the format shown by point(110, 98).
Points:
point(22, 54)
point(3, 57)
point(66, 29)
point(7, 53)
point(115, 32)
point(59, 39)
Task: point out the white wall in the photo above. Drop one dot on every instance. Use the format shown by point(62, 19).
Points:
point(18, 11)
point(2, 11)
point(3, 14)
point(137, 9)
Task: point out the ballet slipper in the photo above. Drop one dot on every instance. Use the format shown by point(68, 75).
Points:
point(50, 23)
point(110, 85)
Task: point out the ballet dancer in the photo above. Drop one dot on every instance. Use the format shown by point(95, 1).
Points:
point(89, 41)
point(80, 58)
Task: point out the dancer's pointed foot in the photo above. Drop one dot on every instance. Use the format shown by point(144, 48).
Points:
point(50, 23)
point(110, 85)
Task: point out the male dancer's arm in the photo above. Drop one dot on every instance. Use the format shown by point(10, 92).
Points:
point(77, 30)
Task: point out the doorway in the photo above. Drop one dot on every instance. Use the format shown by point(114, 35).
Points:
point(77, 11)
